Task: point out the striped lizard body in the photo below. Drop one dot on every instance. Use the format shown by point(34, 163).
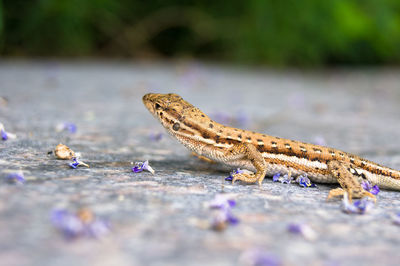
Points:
point(264, 154)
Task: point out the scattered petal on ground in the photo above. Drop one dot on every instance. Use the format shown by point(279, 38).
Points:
point(80, 224)
point(361, 206)
point(142, 166)
point(302, 229)
point(16, 177)
point(223, 215)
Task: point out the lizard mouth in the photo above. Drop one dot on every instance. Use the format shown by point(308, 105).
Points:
point(148, 101)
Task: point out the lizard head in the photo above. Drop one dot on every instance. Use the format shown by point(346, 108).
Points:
point(169, 108)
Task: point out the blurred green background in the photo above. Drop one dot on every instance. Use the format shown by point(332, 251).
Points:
point(271, 32)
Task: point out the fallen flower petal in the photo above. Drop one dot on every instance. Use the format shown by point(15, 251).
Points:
point(222, 202)
point(304, 181)
point(69, 224)
point(156, 136)
point(366, 185)
point(396, 219)
point(77, 163)
point(16, 177)
point(223, 216)
point(66, 126)
point(359, 206)
point(287, 178)
point(276, 176)
point(302, 229)
point(258, 257)
point(74, 225)
point(222, 219)
point(375, 190)
point(6, 135)
point(140, 166)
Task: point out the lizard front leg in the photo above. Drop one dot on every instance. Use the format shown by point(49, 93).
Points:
point(247, 151)
point(348, 181)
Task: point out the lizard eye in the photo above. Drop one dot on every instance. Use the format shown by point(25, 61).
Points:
point(158, 106)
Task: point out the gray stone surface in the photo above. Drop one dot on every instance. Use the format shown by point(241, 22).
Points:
point(161, 219)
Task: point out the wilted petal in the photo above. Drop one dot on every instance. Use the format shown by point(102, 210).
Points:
point(257, 257)
point(396, 219)
point(155, 136)
point(66, 126)
point(302, 229)
point(74, 225)
point(304, 181)
point(276, 177)
point(359, 206)
point(222, 202)
point(76, 162)
point(17, 177)
point(140, 166)
point(366, 185)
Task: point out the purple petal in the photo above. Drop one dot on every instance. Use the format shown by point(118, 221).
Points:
point(375, 190)
point(137, 169)
point(257, 257)
point(236, 171)
point(74, 165)
point(302, 229)
point(140, 166)
point(286, 179)
point(304, 181)
point(220, 202)
point(98, 228)
point(156, 136)
point(71, 127)
point(276, 176)
point(233, 220)
point(359, 206)
point(229, 178)
point(70, 225)
point(231, 202)
point(145, 165)
point(4, 135)
point(366, 185)
point(294, 228)
point(16, 177)
point(396, 219)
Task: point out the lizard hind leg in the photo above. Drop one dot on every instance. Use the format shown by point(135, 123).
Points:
point(250, 152)
point(348, 182)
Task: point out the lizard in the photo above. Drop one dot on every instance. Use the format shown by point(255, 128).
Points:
point(266, 155)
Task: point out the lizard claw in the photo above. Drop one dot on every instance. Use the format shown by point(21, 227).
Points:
point(369, 194)
point(248, 178)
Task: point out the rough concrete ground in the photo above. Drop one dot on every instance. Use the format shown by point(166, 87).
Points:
point(162, 219)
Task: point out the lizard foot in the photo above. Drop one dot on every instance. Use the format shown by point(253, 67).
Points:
point(245, 177)
point(356, 194)
point(337, 192)
point(368, 194)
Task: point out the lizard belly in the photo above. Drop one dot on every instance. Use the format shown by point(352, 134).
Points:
point(273, 169)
